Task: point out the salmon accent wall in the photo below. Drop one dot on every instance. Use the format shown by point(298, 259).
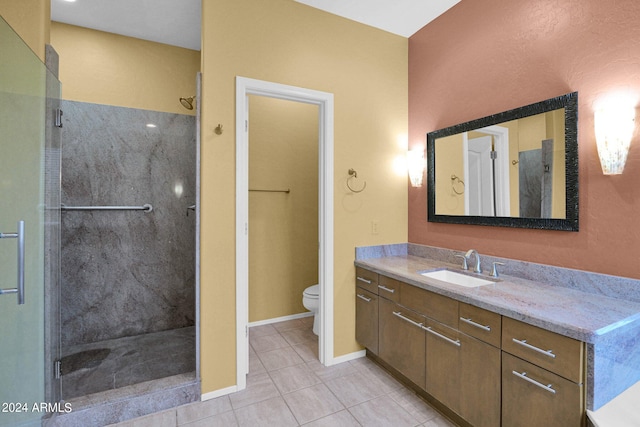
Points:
point(462, 67)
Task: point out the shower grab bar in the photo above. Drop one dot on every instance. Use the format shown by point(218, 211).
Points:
point(146, 207)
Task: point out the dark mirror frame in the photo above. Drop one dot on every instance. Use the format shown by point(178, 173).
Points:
point(570, 104)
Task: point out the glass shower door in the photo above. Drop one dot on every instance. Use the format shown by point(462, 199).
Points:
point(22, 131)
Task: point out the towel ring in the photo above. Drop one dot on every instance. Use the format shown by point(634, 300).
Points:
point(354, 174)
point(455, 180)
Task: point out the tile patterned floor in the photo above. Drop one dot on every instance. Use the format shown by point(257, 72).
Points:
point(287, 386)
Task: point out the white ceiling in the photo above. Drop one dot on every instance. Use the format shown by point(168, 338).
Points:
point(402, 17)
point(174, 22)
point(177, 22)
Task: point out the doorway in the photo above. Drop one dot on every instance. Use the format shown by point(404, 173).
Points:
point(324, 101)
point(486, 169)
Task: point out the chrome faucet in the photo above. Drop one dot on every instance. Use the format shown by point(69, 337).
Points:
point(467, 257)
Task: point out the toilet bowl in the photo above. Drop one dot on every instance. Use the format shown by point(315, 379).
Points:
point(311, 301)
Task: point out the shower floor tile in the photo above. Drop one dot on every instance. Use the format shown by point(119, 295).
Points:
point(130, 360)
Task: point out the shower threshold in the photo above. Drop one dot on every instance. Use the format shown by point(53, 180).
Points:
point(122, 404)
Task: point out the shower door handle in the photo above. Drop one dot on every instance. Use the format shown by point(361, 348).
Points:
point(19, 290)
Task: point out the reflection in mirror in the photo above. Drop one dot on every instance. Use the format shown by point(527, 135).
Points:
point(516, 169)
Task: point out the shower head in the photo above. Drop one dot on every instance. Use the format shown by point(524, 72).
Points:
point(188, 102)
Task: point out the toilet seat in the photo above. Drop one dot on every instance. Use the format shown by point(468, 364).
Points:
point(312, 291)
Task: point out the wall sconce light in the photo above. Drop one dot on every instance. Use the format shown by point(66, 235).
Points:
point(416, 166)
point(614, 125)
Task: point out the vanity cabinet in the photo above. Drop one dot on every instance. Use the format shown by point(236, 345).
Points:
point(542, 377)
point(489, 369)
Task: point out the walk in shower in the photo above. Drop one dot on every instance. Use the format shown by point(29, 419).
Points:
point(128, 228)
point(98, 237)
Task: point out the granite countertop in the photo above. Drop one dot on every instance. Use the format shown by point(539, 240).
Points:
point(584, 316)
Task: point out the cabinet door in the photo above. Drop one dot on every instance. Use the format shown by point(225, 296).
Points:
point(401, 340)
point(480, 382)
point(532, 396)
point(367, 319)
point(443, 358)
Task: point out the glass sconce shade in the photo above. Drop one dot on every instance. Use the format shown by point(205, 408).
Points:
point(416, 166)
point(614, 128)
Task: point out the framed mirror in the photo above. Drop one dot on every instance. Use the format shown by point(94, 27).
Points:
point(518, 168)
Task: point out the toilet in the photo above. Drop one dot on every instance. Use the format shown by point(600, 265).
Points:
point(311, 301)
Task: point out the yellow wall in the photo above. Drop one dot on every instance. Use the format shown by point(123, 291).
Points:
point(531, 131)
point(450, 162)
point(283, 228)
point(30, 19)
point(366, 69)
point(105, 68)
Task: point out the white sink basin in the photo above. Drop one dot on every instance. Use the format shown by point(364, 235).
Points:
point(454, 278)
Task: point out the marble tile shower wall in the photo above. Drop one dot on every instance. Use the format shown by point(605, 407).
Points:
point(126, 273)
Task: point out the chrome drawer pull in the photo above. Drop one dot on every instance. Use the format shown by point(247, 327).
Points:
point(399, 314)
point(439, 335)
point(534, 382)
point(384, 288)
point(534, 348)
point(477, 325)
point(362, 297)
point(363, 280)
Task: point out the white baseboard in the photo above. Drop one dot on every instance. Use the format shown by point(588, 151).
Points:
point(348, 357)
point(218, 393)
point(281, 319)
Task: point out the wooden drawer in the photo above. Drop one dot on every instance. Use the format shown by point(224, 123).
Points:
point(367, 279)
point(438, 307)
point(556, 353)
point(481, 324)
point(389, 288)
point(532, 396)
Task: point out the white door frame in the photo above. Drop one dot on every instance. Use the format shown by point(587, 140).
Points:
point(324, 101)
point(503, 194)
